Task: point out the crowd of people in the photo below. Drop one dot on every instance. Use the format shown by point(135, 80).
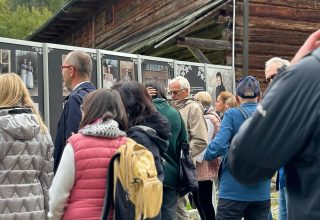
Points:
point(237, 145)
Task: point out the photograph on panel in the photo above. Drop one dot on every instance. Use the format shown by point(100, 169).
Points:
point(65, 90)
point(156, 71)
point(195, 75)
point(127, 71)
point(28, 69)
point(110, 72)
point(219, 80)
point(5, 62)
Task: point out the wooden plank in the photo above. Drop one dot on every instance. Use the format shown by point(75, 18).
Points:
point(282, 12)
point(203, 43)
point(303, 4)
point(197, 53)
point(154, 17)
point(281, 24)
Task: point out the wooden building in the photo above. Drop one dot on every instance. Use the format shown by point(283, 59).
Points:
point(189, 30)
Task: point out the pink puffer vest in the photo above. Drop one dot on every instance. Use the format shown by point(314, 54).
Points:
point(208, 170)
point(92, 157)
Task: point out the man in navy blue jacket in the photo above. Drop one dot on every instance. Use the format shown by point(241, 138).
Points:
point(76, 72)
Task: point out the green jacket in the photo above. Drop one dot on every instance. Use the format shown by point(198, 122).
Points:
point(172, 156)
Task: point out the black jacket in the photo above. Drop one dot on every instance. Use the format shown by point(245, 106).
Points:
point(70, 119)
point(285, 131)
point(155, 139)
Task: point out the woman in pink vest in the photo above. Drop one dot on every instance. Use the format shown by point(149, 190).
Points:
point(78, 187)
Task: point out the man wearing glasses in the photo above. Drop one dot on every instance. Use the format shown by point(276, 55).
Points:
point(192, 115)
point(272, 67)
point(76, 72)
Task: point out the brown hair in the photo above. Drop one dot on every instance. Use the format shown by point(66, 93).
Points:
point(15, 93)
point(136, 99)
point(105, 104)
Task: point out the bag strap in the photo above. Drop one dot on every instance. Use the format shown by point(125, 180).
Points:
point(243, 112)
point(223, 161)
point(108, 197)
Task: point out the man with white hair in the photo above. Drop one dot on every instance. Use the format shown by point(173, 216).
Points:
point(272, 67)
point(192, 115)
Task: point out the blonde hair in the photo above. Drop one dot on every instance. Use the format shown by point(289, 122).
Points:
point(231, 102)
point(204, 98)
point(15, 93)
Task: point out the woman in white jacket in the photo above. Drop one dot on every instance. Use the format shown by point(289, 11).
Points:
point(26, 164)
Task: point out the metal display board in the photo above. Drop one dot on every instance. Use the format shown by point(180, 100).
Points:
point(26, 60)
point(195, 73)
point(156, 69)
point(57, 91)
point(220, 78)
point(116, 66)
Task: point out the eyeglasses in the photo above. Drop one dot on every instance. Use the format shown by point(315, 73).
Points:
point(269, 80)
point(62, 67)
point(175, 92)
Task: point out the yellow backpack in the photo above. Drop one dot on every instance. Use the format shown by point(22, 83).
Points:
point(138, 191)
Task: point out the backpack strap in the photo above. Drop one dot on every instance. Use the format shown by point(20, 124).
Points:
point(243, 112)
point(110, 185)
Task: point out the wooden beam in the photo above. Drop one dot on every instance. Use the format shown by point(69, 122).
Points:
point(203, 43)
point(199, 55)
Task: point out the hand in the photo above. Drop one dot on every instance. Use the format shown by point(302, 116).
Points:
point(309, 45)
point(151, 91)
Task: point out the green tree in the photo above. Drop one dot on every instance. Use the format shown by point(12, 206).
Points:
point(21, 21)
point(52, 5)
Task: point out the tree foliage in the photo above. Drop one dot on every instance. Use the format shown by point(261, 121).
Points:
point(19, 18)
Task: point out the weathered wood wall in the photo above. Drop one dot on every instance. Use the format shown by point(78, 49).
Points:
point(276, 28)
point(119, 22)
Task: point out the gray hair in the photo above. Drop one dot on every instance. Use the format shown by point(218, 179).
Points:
point(81, 61)
point(277, 61)
point(183, 82)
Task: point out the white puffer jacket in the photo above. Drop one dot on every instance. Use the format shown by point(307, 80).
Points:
point(26, 165)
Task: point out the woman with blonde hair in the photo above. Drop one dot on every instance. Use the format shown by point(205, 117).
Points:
point(224, 101)
point(207, 171)
point(26, 154)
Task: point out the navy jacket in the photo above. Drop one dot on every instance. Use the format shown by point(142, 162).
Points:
point(70, 119)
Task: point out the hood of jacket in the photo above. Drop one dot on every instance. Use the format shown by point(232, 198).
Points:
point(108, 128)
point(184, 102)
point(159, 132)
point(19, 122)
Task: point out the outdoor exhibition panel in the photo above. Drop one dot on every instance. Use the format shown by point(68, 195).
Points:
point(57, 91)
point(39, 66)
point(26, 60)
point(116, 66)
point(219, 78)
point(156, 69)
point(195, 73)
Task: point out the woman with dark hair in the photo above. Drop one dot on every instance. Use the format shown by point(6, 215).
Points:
point(172, 157)
point(220, 87)
point(78, 188)
point(146, 125)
